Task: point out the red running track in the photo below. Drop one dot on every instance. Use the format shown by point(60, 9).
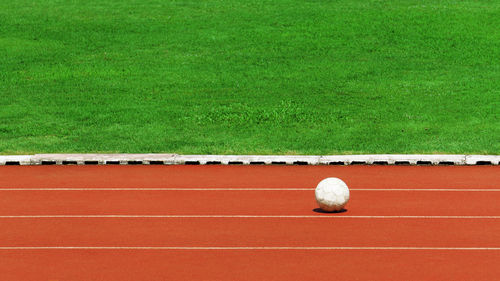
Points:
point(93, 222)
point(241, 202)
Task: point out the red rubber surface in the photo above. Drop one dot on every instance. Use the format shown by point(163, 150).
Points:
point(249, 176)
point(251, 232)
point(155, 265)
point(239, 202)
point(230, 264)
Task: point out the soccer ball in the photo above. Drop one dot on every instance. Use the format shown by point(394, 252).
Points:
point(332, 194)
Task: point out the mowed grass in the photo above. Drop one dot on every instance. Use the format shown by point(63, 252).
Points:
point(250, 76)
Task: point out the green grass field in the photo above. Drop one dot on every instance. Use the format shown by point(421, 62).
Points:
point(250, 76)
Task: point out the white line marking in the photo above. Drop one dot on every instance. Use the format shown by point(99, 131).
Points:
point(254, 248)
point(245, 189)
point(325, 216)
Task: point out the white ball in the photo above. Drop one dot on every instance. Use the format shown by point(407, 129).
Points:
point(332, 194)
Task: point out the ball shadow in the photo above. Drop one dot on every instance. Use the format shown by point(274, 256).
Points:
point(319, 210)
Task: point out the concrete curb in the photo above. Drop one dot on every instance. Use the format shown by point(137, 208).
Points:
point(175, 159)
point(12, 160)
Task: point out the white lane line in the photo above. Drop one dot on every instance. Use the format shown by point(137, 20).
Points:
point(247, 189)
point(325, 216)
point(254, 248)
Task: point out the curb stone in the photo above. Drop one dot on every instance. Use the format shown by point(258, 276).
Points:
point(176, 159)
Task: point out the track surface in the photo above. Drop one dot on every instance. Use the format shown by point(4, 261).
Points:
point(247, 223)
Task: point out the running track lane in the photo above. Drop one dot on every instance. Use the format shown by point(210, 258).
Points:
point(219, 176)
point(244, 202)
point(159, 265)
point(218, 264)
point(249, 232)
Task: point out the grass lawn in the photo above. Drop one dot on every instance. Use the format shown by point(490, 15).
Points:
point(250, 76)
